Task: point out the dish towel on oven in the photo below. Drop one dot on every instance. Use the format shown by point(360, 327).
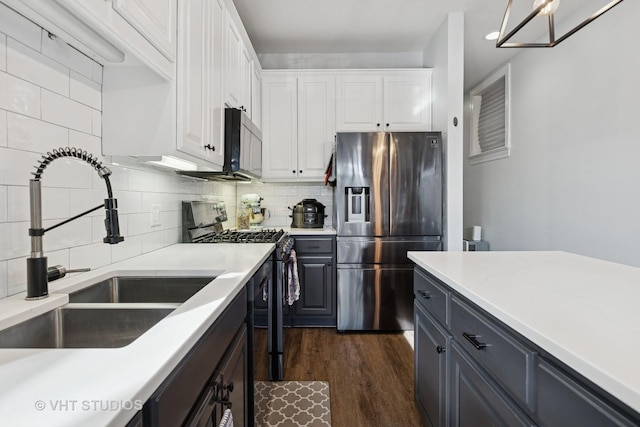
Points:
point(227, 419)
point(293, 281)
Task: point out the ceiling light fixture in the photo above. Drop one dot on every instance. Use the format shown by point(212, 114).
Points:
point(492, 36)
point(544, 8)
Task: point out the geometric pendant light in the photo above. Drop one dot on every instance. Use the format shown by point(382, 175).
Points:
point(543, 8)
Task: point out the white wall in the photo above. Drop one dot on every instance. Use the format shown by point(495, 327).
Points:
point(50, 97)
point(573, 179)
point(445, 54)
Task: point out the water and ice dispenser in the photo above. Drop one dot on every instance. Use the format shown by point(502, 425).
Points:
point(357, 204)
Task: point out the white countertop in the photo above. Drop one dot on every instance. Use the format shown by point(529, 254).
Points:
point(325, 231)
point(583, 311)
point(64, 387)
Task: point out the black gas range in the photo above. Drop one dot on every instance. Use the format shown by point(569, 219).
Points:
point(201, 224)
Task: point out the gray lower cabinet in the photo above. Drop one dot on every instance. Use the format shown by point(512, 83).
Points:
point(213, 376)
point(488, 375)
point(476, 400)
point(317, 272)
point(431, 363)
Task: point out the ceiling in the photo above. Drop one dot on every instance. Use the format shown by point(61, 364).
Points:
point(372, 26)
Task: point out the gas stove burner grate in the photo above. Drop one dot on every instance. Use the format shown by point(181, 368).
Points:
point(232, 236)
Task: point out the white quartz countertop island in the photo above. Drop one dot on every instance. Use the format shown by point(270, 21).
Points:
point(98, 387)
point(581, 310)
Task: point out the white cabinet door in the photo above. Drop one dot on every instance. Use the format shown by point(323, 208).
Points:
point(256, 96)
point(316, 125)
point(154, 19)
point(232, 64)
point(407, 101)
point(359, 103)
point(280, 127)
point(246, 65)
point(216, 106)
point(192, 69)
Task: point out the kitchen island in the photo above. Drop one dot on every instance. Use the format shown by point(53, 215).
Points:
point(570, 322)
point(94, 386)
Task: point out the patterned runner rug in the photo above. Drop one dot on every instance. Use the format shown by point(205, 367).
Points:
point(292, 404)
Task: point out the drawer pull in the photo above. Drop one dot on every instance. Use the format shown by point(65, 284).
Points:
point(472, 339)
point(424, 294)
point(440, 349)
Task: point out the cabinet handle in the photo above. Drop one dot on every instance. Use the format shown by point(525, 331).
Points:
point(387, 124)
point(329, 264)
point(210, 147)
point(300, 171)
point(440, 349)
point(378, 124)
point(472, 339)
point(424, 294)
point(293, 171)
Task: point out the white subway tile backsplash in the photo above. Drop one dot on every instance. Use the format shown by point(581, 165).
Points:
point(20, 28)
point(16, 166)
point(3, 203)
point(66, 112)
point(29, 134)
point(4, 279)
point(19, 95)
point(96, 74)
point(15, 240)
point(81, 200)
point(139, 223)
point(141, 181)
point(3, 52)
point(58, 50)
point(69, 172)
point(130, 247)
point(93, 256)
point(75, 233)
point(3, 129)
point(86, 91)
point(96, 122)
point(154, 241)
point(55, 203)
point(89, 143)
point(34, 67)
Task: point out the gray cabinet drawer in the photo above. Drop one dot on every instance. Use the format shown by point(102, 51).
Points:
point(563, 402)
point(508, 361)
point(306, 245)
point(476, 401)
point(431, 295)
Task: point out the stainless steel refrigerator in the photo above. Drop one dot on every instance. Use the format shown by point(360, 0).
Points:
point(387, 201)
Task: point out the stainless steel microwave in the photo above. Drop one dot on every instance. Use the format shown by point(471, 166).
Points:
point(242, 144)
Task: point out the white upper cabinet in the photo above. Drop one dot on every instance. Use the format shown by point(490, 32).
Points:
point(316, 125)
point(192, 71)
point(359, 102)
point(154, 19)
point(279, 127)
point(246, 75)
point(386, 100)
point(199, 126)
point(256, 95)
point(298, 125)
point(232, 64)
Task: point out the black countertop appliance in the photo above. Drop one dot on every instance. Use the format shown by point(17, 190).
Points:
point(309, 213)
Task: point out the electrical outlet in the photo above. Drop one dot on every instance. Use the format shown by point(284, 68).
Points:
point(155, 215)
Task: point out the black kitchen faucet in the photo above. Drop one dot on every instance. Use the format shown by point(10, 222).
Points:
point(38, 275)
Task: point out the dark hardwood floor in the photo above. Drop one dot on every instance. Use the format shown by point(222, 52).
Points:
point(370, 375)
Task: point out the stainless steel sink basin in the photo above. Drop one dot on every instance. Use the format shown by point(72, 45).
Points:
point(84, 326)
point(120, 289)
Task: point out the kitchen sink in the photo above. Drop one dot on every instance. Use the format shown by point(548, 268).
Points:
point(123, 289)
point(85, 326)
